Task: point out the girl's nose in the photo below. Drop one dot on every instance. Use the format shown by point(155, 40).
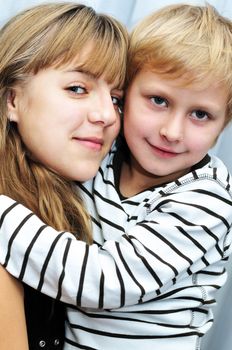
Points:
point(104, 111)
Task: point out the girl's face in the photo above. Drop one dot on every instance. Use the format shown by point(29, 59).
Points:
point(67, 119)
point(170, 128)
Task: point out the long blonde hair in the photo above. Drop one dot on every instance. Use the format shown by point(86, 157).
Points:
point(40, 37)
point(184, 40)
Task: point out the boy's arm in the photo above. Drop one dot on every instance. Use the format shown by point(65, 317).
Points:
point(177, 240)
point(13, 333)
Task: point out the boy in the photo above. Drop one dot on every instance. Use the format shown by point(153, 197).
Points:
point(161, 208)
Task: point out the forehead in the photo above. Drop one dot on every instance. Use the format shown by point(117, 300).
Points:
point(95, 63)
point(185, 81)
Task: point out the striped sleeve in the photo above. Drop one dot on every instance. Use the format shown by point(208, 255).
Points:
point(182, 234)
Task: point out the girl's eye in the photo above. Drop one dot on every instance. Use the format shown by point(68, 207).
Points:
point(160, 101)
point(200, 115)
point(117, 102)
point(77, 89)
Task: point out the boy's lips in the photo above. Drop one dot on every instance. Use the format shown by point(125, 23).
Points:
point(163, 152)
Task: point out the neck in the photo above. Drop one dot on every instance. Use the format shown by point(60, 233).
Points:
point(134, 179)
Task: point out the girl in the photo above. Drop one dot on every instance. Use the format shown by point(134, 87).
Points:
point(62, 69)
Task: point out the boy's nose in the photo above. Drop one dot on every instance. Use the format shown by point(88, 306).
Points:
point(173, 129)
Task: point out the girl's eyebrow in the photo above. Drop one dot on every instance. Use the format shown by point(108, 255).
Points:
point(88, 74)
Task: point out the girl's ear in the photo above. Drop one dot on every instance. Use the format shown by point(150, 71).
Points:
point(12, 105)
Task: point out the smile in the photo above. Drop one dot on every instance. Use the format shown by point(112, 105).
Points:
point(162, 152)
point(92, 143)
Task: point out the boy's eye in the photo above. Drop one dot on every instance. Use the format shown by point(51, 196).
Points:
point(160, 101)
point(77, 89)
point(200, 115)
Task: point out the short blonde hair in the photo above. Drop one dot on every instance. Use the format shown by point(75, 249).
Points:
point(184, 41)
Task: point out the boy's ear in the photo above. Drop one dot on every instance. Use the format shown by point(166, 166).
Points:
point(12, 106)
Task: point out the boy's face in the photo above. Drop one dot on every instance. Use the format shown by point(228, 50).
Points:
point(169, 128)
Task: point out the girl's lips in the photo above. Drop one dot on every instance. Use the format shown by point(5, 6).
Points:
point(93, 143)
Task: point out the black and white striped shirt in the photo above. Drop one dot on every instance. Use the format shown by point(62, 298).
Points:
point(150, 279)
